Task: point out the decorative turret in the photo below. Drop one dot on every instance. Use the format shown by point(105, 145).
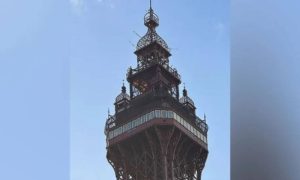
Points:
point(151, 20)
point(153, 72)
point(187, 101)
point(122, 100)
point(151, 48)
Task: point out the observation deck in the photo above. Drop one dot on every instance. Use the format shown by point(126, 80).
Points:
point(133, 71)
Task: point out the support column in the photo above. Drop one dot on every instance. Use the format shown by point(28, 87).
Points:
point(153, 149)
point(199, 174)
point(165, 162)
point(131, 91)
point(177, 92)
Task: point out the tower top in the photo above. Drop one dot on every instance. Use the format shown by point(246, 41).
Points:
point(151, 21)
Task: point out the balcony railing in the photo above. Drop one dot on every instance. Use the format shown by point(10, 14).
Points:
point(152, 115)
point(110, 123)
point(171, 70)
point(201, 124)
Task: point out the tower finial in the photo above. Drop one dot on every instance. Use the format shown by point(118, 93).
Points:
point(151, 19)
point(123, 87)
point(184, 90)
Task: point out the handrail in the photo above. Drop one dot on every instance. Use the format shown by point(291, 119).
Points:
point(173, 71)
point(201, 124)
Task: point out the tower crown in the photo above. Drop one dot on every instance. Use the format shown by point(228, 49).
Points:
point(151, 37)
point(153, 71)
point(151, 21)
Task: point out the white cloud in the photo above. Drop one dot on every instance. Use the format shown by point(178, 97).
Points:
point(108, 3)
point(78, 6)
point(220, 29)
point(111, 5)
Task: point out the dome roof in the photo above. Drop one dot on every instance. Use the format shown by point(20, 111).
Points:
point(150, 37)
point(122, 96)
point(151, 20)
point(186, 99)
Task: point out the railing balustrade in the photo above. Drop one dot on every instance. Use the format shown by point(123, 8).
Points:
point(173, 71)
point(166, 114)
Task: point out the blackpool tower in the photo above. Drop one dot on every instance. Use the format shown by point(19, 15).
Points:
point(155, 133)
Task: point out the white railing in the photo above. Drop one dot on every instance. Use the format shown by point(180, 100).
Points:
point(154, 115)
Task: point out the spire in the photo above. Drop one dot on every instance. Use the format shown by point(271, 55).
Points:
point(184, 90)
point(123, 95)
point(185, 99)
point(151, 19)
point(123, 88)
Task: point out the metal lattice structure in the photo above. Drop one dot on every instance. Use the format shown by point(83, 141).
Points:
point(154, 134)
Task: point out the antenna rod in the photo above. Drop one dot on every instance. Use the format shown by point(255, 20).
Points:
point(150, 4)
point(137, 34)
point(131, 44)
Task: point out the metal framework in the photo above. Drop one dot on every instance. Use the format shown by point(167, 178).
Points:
point(160, 152)
point(154, 134)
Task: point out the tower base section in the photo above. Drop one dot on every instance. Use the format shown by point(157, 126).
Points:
point(158, 153)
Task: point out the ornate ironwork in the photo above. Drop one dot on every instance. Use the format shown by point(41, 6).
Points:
point(110, 123)
point(151, 20)
point(122, 96)
point(154, 134)
point(186, 99)
point(132, 71)
point(150, 37)
point(157, 153)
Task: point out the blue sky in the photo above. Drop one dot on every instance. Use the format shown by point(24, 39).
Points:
point(34, 98)
point(101, 51)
